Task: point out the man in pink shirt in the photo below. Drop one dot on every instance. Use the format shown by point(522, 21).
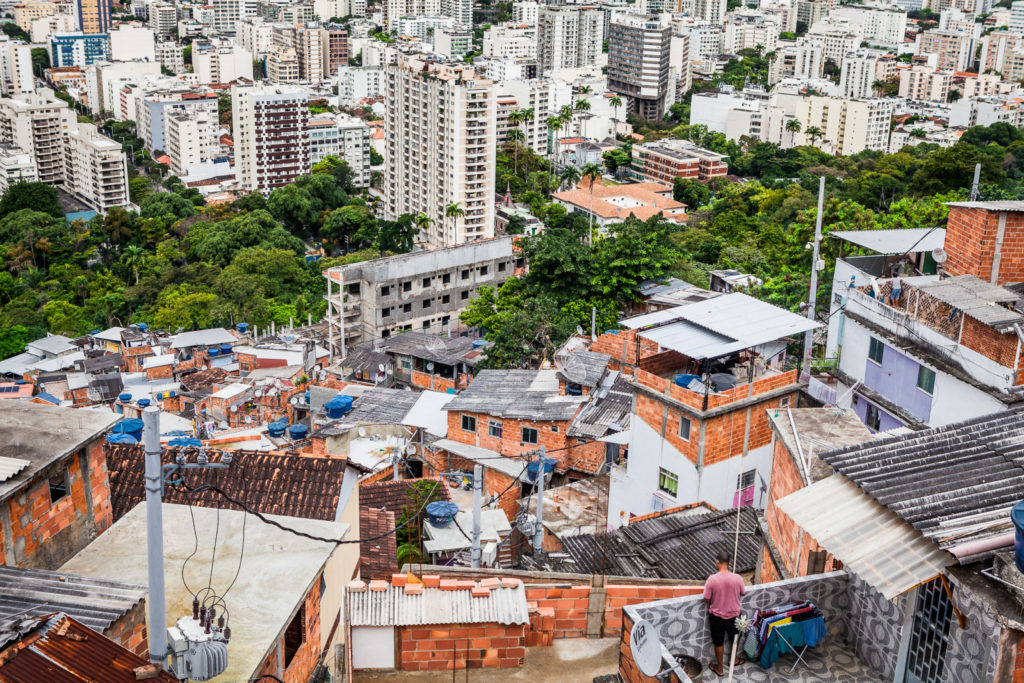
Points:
point(722, 592)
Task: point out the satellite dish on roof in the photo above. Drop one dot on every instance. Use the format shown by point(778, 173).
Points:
point(362, 431)
point(645, 647)
point(579, 329)
point(939, 254)
point(435, 344)
point(575, 370)
point(323, 374)
point(382, 367)
point(258, 393)
point(430, 366)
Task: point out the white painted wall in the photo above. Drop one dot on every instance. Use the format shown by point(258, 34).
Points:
point(633, 490)
point(373, 647)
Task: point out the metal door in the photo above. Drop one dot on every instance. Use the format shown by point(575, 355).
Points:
point(926, 651)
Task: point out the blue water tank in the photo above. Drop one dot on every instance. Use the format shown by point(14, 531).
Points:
point(213, 351)
point(143, 402)
point(225, 349)
point(242, 327)
point(572, 389)
point(611, 331)
point(298, 431)
point(338, 406)
point(143, 327)
point(121, 438)
point(534, 466)
point(1017, 516)
point(131, 426)
point(477, 343)
point(441, 512)
point(95, 331)
point(450, 390)
point(277, 428)
point(185, 442)
point(125, 397)
point(683, 380)
point(306, 396)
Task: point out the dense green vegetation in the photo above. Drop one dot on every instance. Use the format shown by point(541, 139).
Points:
point(176, 265)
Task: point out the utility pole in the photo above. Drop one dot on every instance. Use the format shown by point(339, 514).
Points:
point(593, 323)
point(809, 335)
point(478, 484)
point(155, 600)
point(538, 532)
point(976, 183)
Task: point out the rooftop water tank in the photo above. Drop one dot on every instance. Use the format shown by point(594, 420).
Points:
point(143, 327)
point(338, 406)
point(611, 331)
point(125, 397)
point(121, 438)
point(298, 432)
point(213, 351)
point(534, 465)
point(185, 442)
point(477, 343)
point(242, 327)
point(225, 349)
point(131, 426)
point(95, 331)
point(441, 512)
point(306, 396)
point(143, 402)
point(277, 428)
point(1017, 516)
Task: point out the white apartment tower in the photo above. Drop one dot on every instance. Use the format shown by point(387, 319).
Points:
point(859, 73)
point(849, 125)
point(712, 11)
point(568, 36)
point(925, 84)
point(525, 13)
point(270, 125)
point(95, 168)
point(441, 122)
point(459, 10)
point(36, 123)
point(255, 35)
point(16, 68)
point(193, 138)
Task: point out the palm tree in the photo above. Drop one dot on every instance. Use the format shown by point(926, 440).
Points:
point(132, 256)
point(570, 175)
point(515, 136)
point(814, 133)
point(555, 124)
point(422, 222)
point(793, 126)
point(616, 102)
point(455, 212)
point(584, 90)
point(918, 133)
point(593, 173)
point(582, 106)
point(525, 117)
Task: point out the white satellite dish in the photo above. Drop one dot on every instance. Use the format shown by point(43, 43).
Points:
point(362, 431)
point(410, 450)
point(430, 367)
point(323, 375)
point(257, 394)
point(382, 367)
point(939, 254)
point(579, 329)
point(646, 648)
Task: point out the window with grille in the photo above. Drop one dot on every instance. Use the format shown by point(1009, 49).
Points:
point(929, 636)
point(529, 435)
point(494, 429)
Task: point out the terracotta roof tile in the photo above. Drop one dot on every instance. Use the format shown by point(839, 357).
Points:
point(204, 379)
point(377, 559)
point(391, 495)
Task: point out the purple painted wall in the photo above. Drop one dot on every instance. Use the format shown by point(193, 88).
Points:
point(885, 420)
point(896, 380)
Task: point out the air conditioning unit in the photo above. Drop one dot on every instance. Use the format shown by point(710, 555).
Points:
point(489, 554)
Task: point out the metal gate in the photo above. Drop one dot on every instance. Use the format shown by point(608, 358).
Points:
point(929, 634)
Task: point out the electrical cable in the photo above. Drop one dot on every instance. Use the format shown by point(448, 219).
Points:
point(195, 549)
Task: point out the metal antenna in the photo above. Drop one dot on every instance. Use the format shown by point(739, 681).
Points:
point(977, 181)
point(809, 335)
point(156, 600)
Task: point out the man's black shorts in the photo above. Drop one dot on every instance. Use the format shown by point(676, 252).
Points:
point(720, 628)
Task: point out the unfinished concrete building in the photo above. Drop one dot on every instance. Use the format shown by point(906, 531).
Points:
point(423, 291)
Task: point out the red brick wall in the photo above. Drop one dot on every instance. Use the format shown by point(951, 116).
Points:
point(45, 534)
point(460, 646)
point(423, 381)
point(302, 663)
point(628, 670)
point(767, 571)
point(1002, 348)
point(495, 482)
point(971, 239)
point(160, 372)
point(129, 631)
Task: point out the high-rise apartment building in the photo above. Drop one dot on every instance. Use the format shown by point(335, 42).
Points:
point(459, 10)
point(440, 149)
point(527, 12)
point(849, 125)
point(16, 67)
point(255, 35)
point(859, 73)
point(283, 65)
point(638, 62)
point(335, 50)
point(171, 56)
point(153, 108)
point(568, 36)
point(394, 10)
point(345, 137)
point(955, 49)
point(751, 29)
point(712, 11)
point(227, 13)
point(193, 138)
point(221, 63)
point(925, 84)
point(308, 43)
point(26, 12)
point(93, 15)
point(95, 168)
point(803, 60)
point(78, 49)
point(271, 132)
point(36, 123)
point(16, 166)
point(163, 19)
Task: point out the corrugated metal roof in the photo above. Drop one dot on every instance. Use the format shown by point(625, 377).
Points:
point(392, 607)
point(18, 365)
point(585, 368)
point(486, 457)
point(58, 649)
point(429, 347)
point(896, 241)
point(674, 545)
point(11, 466)
point(954, 484)
point(719, 326)
point(214, 335)
point(95, 602)
point(974, 297)
point(1002, 205)
point(52, 343)
point(381, 405)
point(609, 409)
point(868, 539)
point(518, 394)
